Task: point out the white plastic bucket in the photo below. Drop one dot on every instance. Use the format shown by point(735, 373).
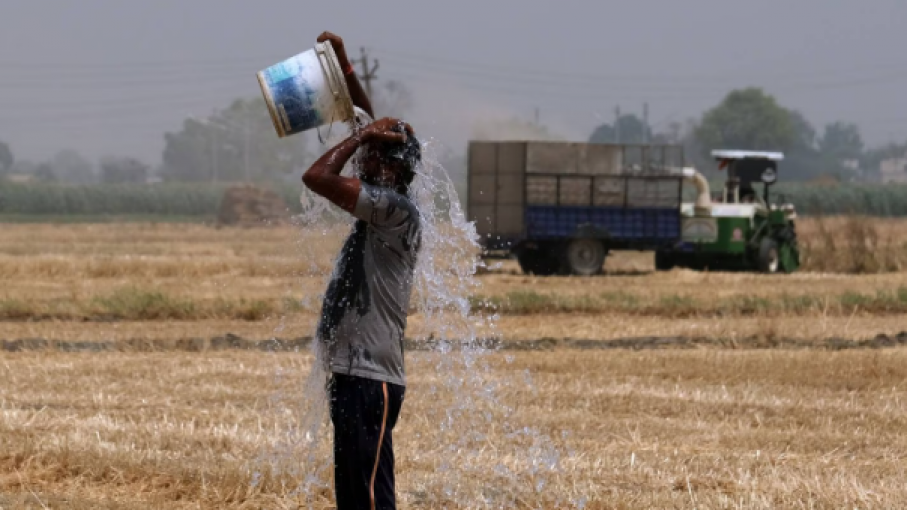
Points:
point(306, 91)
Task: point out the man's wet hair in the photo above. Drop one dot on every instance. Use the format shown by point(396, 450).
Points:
point(407, 155)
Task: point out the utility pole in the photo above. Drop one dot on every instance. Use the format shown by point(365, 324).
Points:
point(645, 122)
point(617, 124)
point(245, 151)
point(212, 129)
point(367, 74)
point(214, 152)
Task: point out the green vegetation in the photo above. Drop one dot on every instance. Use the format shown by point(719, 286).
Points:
point(136, 303)
point(104, 218)
point(133, 303)
point(888, 200)
point(865, 199)
point(21, 200)
point(187, 201)
point(529, 303)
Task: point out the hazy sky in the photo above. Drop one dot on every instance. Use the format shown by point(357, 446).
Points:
point(110, 76)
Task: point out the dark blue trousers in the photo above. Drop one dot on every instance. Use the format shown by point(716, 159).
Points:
point(364, 413)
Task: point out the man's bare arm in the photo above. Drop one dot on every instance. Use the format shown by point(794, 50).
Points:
point(357, 93)
point(324, 178)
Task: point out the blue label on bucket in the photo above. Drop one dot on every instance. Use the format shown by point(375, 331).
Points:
point(281, 71)
point(291, 85)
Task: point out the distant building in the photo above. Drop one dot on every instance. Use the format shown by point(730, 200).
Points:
point(894, 170)
point(856, 172)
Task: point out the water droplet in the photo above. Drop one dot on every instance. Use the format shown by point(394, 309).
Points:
point(460, 349)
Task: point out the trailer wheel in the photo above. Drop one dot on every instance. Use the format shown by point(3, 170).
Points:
point(664, 261)
point(537, 262)
point(769, 259)
point(585, 257)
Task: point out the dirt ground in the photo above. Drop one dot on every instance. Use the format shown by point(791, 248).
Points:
point(266, 282)
point(568, 429)
point(702, 405)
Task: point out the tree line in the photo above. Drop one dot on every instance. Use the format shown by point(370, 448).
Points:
point(751, 119)
point(234, 144)
point(238, 143)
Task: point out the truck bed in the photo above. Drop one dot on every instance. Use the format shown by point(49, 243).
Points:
point(523, 191)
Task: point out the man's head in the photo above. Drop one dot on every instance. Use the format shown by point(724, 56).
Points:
point(391, 164)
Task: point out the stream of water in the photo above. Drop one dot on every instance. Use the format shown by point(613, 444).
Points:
point(515, 471)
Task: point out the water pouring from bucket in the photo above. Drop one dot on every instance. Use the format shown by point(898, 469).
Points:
point(311, 89)
point(422, 244)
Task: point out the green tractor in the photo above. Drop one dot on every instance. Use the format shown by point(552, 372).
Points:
point(738, 229)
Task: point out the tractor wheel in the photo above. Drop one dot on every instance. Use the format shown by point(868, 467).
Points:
point(664, 261)
point(787, 258)
point(585, 257)
point(769, 259)
point(789, 250)
point(537, 262)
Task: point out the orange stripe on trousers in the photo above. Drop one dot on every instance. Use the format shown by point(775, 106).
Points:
point(371, 485)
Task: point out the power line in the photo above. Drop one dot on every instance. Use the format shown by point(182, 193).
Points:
point(645, 122)
point(125, 102)
point(663, 85)
point(120, 81)
point(180, 70)
point(617, 123)
point(711, 77)
point(246, 62)
point(69, 65)
point(461, 71)
point(519, 88)
point(469, 75)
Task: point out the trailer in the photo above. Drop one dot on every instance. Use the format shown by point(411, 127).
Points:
point(561, 207)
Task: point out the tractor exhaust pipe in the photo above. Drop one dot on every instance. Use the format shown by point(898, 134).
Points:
point(703, 203)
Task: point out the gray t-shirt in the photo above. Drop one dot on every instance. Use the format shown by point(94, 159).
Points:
point(365, 307)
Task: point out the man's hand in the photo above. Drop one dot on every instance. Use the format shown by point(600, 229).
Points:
point(387, 130)
point(324, 178)
point(357, 94)
point(337, 44)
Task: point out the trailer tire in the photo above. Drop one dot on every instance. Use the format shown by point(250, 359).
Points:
point(585, 256)
point(769, 257)
point(664, 261)
point(537, 262)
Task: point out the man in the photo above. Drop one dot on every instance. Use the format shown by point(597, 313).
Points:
point(365, 307)
point(747, 194)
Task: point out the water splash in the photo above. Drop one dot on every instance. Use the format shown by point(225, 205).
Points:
point(453, 343)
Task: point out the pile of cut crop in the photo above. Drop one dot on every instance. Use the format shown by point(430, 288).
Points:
point(248, 205)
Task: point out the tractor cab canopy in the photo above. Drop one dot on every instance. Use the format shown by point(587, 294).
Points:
point(745, 168)
point(732, 154)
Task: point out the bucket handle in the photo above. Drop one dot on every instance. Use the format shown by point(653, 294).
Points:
point(325, 53)
point(318, 130)
point(321, 50)
point(336, 80)
point(330, 70)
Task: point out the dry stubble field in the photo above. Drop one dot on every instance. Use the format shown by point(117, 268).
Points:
point(728, 423)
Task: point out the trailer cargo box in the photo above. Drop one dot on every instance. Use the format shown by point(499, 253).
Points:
point(551, 202)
